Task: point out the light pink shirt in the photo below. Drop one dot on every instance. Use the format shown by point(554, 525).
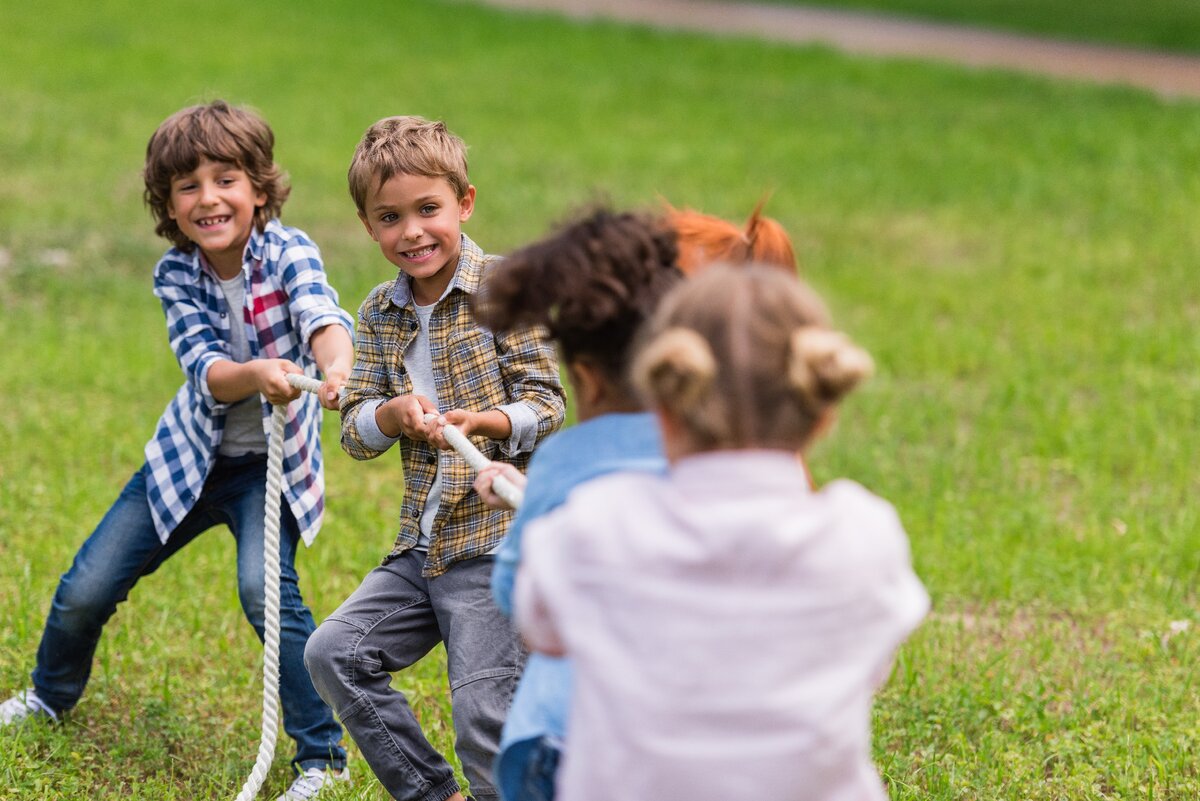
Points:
point(728, 629)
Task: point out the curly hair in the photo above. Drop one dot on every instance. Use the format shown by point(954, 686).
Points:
point(591, 283)
point(215, 131)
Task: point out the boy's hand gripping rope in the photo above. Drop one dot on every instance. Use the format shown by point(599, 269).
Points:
point(510, 492)
point(270, 715)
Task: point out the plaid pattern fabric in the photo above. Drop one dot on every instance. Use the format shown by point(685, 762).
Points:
point(474, 370)
point(287, 300)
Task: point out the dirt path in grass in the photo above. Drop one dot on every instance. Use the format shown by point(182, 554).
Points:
point(1168, 75)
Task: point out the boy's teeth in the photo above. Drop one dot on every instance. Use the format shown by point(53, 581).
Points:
point(416, 254)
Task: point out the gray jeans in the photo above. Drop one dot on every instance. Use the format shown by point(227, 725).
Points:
point(393, 619)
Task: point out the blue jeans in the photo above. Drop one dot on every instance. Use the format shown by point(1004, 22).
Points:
point(125, 547)
point(394, 618)
point(529, 770)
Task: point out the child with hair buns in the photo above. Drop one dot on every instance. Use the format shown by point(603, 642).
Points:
point(727, 625)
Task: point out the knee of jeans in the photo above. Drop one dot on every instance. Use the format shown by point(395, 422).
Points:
point(481, 701)
point(254, 603)
point(81, 602)
point(329, 653)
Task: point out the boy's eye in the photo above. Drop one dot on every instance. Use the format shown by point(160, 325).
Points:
point(429, 208)
point(389, 217)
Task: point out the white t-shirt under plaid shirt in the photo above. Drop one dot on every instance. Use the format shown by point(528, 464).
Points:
point(287, 300)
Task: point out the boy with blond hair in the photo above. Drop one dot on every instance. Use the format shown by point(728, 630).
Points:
point(420, 354)
point(247, 301)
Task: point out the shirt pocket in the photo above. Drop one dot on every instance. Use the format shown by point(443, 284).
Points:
point(475, 364)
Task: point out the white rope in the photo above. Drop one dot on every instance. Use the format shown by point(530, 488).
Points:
point(510, 492)
point(270, 712)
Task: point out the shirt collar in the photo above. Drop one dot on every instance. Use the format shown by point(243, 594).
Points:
point(468, 274)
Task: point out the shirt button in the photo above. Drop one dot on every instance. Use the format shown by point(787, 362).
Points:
point(222, 315)
point(412, 326)
point(432, 458)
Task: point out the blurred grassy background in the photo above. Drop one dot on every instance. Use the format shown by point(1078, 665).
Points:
point(1017, 254)
point(1152, 24)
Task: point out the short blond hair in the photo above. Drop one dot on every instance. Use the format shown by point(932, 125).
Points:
point(743, 357)
point(406, 145)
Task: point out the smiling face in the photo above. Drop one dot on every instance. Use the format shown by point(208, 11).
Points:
point(214, 205)
point(417, 220)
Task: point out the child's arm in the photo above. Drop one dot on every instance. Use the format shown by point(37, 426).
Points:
point(374, 417)
point(540, 576)
point(493, 424)
point(230, 381)
point(537, 402)
point(316, 315)
point(202, 354)
point(334, 353)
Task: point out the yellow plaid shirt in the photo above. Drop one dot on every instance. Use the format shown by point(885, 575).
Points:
point(474, 370)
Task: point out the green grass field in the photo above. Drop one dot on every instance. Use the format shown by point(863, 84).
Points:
point(1153, 24)
point(1018, 255)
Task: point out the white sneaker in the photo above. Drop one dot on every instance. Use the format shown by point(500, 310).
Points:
point(25, 706)
point(311, 782)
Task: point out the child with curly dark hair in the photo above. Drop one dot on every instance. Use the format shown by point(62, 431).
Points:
point(592, 284)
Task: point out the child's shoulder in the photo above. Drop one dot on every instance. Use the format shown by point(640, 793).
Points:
point(378, 298)
point(278, 242)
point(473, 264)
point(864, 518)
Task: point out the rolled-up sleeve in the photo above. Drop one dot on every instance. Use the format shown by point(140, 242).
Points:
point(369, 432)
point(530, 372)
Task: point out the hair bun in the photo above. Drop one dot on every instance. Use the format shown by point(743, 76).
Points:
point(677, 368)
point(825, 365)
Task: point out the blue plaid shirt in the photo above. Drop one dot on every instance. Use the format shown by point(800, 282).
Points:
point(288, 299)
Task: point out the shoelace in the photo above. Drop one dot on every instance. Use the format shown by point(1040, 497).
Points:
point(306, 786)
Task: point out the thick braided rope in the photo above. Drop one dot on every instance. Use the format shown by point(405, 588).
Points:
point(270, 713)
point(510, 492)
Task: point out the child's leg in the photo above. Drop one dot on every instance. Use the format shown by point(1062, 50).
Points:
point(122, 549)
point(385, 626)
point(239, 495)
point(484, 662)
point(528, 770)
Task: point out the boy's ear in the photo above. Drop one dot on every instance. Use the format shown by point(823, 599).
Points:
point(367, 225)
point(260, 198)
point(466, 206)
